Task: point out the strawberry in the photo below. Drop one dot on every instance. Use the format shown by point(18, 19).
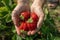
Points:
point(29, 23)
point(23, 26)
point(31, 26)
point(34, 17)
point(25, 15)
point(32, 21)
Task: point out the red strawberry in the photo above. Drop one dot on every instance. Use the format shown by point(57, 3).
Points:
point(28, 25)
point(32, 21)
point(34, 17)
point(34, 25)
point(25, 15)
point(31, 26)
point(23, 26)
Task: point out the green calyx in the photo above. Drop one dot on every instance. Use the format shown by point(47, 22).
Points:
point(23, 32)
point(30, 20)
point(21, 17)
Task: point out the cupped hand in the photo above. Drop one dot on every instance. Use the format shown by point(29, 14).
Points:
point(37, 8)
point(22, 6)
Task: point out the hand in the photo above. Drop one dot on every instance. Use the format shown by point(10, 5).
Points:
point(37, 8)
point(21, 6)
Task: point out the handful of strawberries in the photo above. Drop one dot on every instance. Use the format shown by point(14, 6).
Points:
point(28, 21)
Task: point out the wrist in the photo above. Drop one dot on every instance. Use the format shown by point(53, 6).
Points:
point(37, 1)
point(23, 1)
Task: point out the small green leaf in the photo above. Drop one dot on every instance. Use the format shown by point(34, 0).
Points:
point(7, 3)
point(8, 17)
point(19, 37)
point(2, 27)
point(57, 38)
point(14, 37)
point(27, 38)
point(14, 31)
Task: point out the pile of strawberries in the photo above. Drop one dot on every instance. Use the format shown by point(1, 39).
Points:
point(28, 21)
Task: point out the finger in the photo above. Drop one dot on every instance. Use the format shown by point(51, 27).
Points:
point(32, 9)
point(18, 31)
point(29, 33)
point(39, 32)
point(33, 32)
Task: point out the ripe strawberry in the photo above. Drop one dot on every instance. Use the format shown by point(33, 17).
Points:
point(25, 15)
point(23, 26)
point(31, 26)
point(34, 17)
point(32, 21)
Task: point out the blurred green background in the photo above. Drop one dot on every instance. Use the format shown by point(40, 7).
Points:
point(50, 29)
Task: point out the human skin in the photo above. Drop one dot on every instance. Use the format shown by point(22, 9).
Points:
point(23, 5)
point(37, 8)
